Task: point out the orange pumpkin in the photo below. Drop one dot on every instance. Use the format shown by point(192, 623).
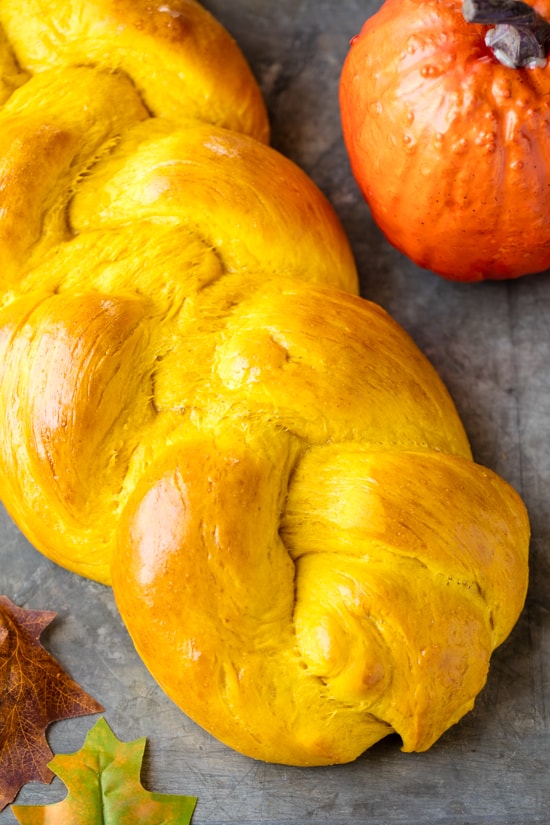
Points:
point(450, 147)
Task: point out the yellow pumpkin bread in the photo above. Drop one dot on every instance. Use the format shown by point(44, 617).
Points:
point(199, 409)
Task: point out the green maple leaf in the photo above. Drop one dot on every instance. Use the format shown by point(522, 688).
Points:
point(103, 780)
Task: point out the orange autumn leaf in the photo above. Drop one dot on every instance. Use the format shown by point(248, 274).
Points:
point(103, 781)
point(34, 692)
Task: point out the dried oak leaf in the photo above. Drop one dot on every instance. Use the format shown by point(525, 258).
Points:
point(34, 692)
point(103, 781)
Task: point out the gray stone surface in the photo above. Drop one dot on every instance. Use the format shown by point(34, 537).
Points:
point(490, 343)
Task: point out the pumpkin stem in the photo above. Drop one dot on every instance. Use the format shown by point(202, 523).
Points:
point(519, 36)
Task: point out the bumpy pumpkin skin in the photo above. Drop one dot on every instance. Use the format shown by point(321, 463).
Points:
point(449, 147)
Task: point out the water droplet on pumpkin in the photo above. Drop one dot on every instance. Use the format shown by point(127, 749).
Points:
point(485, 138)
point(412, 44)
point(460, 146)
point(430, 71)
point(501, 90)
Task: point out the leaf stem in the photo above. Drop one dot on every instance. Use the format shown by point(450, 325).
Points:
point(519, 36)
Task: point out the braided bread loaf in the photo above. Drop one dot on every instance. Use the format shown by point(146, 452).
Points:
point(199, 409)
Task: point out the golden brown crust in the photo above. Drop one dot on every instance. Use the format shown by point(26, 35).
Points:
point(196, 403)
point(183, 63)
point(317, 599)
point(97, 194)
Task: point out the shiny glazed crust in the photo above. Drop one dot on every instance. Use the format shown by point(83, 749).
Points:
point(197, 404)
point(112, 217)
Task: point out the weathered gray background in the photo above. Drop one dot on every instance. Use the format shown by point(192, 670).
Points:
point(490, 343)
